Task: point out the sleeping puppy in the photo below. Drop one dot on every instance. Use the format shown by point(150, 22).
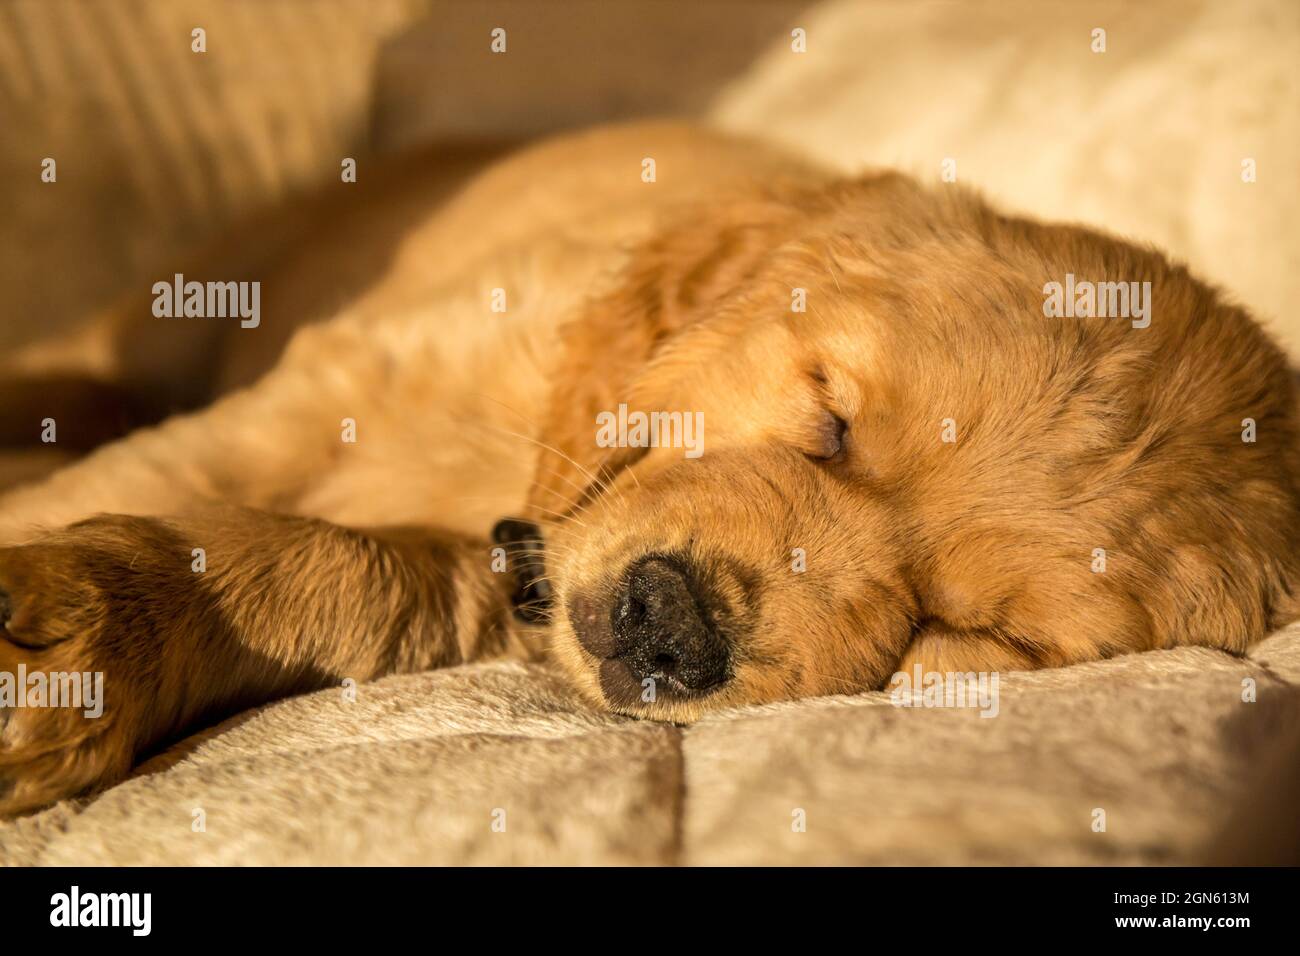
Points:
point(760, 433)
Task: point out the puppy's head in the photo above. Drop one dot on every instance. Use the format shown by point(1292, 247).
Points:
point(747, 493)
point(714, 531)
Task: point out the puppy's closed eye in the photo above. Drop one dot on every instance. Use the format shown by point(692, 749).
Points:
point(830, 437)
point(830, 431)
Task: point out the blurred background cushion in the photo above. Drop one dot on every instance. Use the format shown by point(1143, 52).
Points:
point(158, 147)
point(1145, 140)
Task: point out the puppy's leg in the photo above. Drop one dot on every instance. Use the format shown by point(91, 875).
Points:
point(272, 605)
point(260, 447)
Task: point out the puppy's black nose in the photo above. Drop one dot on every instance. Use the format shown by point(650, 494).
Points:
point(661, 631)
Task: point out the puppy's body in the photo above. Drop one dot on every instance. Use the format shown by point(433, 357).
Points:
point(970, 484)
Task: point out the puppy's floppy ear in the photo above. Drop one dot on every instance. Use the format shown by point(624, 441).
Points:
point(675, 279)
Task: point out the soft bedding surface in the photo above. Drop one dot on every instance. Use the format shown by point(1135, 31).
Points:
point(500, 763)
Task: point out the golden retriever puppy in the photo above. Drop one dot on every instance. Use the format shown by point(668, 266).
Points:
point(760, 433)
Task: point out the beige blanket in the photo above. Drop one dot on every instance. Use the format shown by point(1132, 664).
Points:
point(501, 764)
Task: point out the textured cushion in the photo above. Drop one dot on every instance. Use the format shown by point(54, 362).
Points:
point(419, 768)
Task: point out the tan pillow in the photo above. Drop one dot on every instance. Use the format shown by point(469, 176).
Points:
point(156, 146)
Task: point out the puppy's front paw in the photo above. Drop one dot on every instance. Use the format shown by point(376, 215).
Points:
point(79, 659)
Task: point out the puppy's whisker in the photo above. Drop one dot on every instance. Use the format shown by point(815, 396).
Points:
point(557, 514)
point(613, 477)
point(603, 483)
point(573, 503)
point(857, 687)
point(538, 580)
point(512, 410)
point(545, 551)
point(541, 444)
point(475, 423)
point(831, 269)
point(546, 556)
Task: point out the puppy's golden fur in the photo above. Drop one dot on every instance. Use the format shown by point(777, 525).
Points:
point(824, 432)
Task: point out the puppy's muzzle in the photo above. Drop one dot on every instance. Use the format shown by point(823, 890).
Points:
point(662, 631)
